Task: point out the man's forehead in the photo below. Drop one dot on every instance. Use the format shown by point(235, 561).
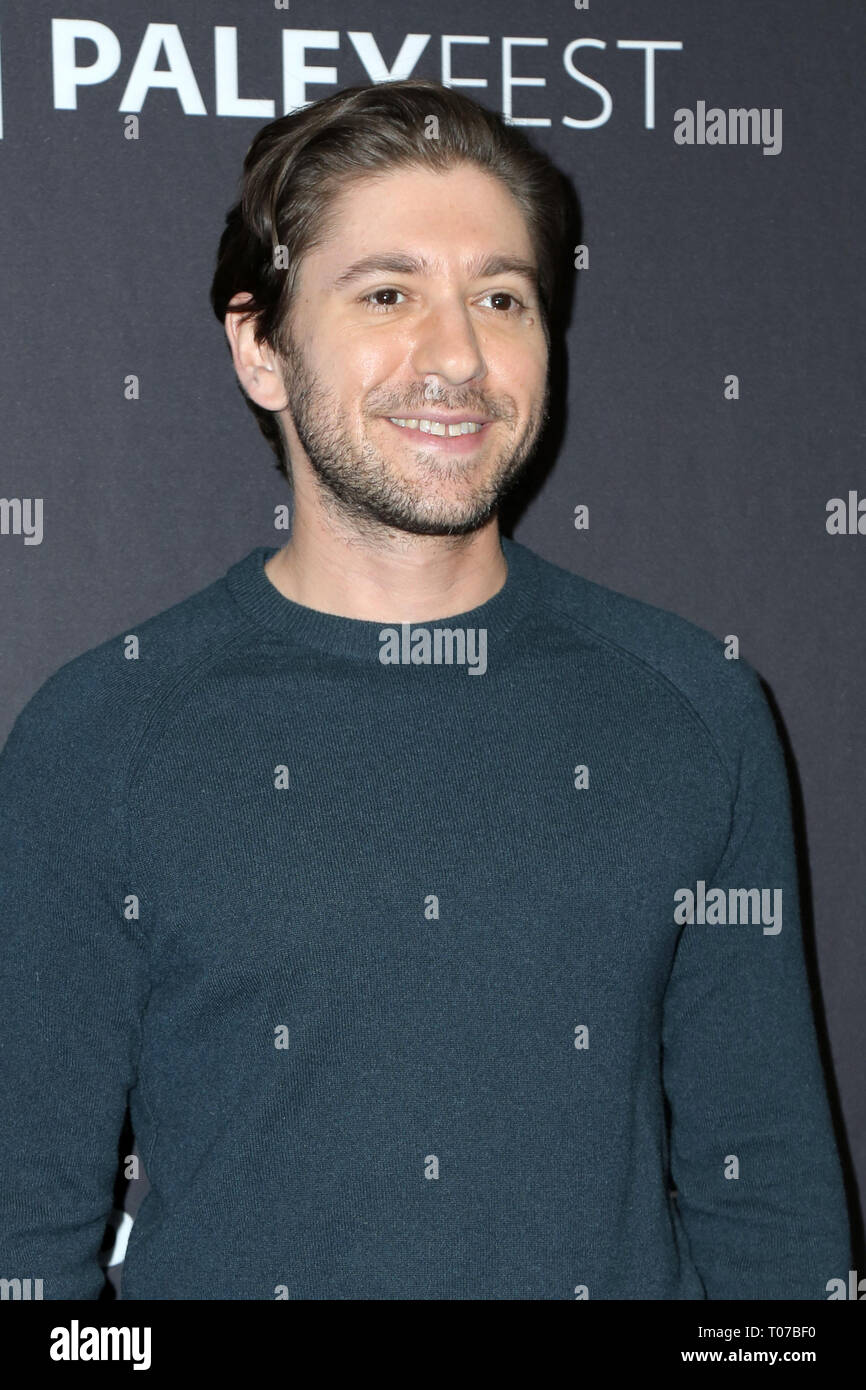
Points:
point(486, 225)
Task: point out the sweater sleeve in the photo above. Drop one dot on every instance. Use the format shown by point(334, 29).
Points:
point(752, 1152)
point(73, 985)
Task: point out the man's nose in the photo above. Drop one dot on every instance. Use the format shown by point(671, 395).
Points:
point(447, 345)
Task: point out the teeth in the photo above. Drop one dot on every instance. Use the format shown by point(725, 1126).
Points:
point(437, 426)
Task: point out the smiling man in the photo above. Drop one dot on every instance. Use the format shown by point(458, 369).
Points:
point(390, 964)
point(410, 378)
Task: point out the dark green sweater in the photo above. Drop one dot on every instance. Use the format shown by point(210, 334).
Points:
point(393, 964)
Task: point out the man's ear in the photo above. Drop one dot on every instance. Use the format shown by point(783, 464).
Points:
point(256, 364)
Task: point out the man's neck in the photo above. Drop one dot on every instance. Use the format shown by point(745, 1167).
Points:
point(388, 577)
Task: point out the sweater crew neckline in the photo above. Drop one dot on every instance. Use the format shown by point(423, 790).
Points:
point(262, 601)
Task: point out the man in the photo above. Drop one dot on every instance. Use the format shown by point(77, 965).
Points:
point(434, 908)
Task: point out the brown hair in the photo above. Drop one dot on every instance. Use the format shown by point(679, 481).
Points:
point(296, 166)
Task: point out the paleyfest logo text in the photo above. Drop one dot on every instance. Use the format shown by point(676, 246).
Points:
point(503, 68)
point(88, 53)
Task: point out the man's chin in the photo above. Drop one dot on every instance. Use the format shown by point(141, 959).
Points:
point(445, 510)
point(444, 526)
point(438, 517)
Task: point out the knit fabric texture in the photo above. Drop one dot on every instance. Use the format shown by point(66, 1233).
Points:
point(391, 958)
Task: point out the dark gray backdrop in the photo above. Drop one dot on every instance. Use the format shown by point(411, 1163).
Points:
point(705, 261)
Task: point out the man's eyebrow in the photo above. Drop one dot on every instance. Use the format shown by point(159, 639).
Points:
point(394, 263)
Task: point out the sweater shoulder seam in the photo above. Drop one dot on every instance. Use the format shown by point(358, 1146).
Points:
point(623, 652)
point(160, 699)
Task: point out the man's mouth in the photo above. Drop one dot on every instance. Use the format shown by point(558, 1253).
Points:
point(441, 431)
point(441, 427)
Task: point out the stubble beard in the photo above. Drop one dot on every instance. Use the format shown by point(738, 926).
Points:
point(359, 486)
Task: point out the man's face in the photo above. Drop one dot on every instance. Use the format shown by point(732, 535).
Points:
point(440, 321)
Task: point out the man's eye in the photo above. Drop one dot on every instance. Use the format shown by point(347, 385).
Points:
point(375, 294)
point(511, 304)
point(514, 307)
